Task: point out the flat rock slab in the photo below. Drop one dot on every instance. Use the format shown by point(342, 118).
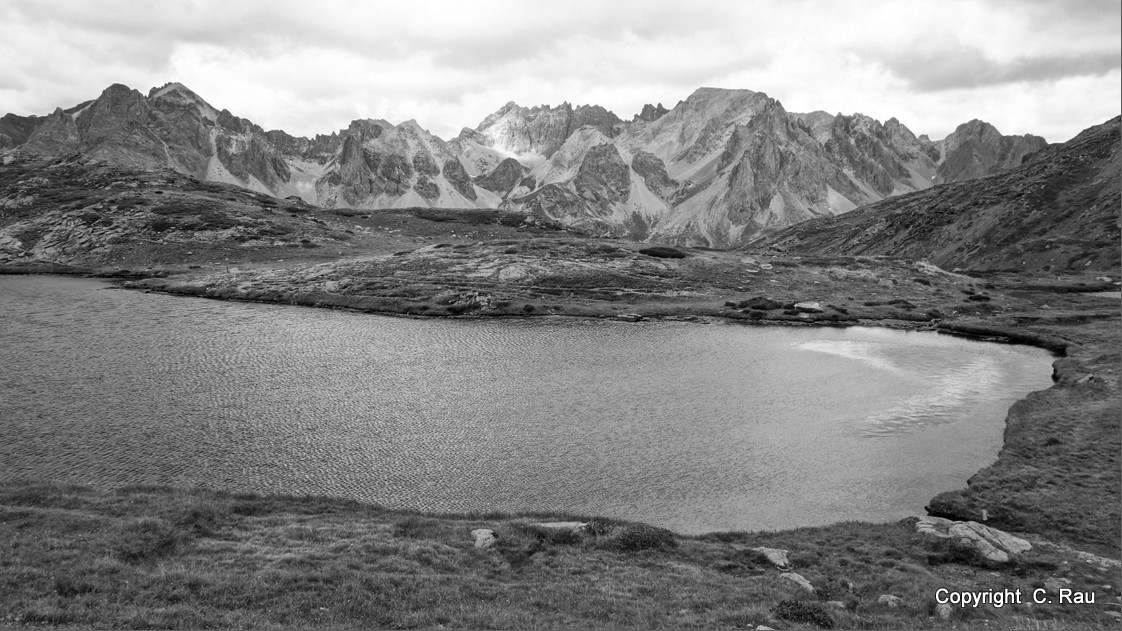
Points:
point(993, 544)
point(799, 580)
point(777, 557)
point(576, 527)
point(484, 538)
point(890, 600)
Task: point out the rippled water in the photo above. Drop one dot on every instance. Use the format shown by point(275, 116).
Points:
point(688, 426)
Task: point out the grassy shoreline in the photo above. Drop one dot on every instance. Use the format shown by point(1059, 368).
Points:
point(149, 557)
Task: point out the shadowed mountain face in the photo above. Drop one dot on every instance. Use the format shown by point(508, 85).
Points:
point(718, 169)
point(976, 149)
point(1060, 210)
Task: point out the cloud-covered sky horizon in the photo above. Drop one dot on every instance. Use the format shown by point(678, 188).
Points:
point(1046, 67)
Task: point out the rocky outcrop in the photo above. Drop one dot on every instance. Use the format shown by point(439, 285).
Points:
point(650, 113)
point(252, 156)
point(454, 172)
point(991, 544)
point(603, 178)
point(320, 148)
point(543, 129)
point(653, 171)
point(886, 158)
point(53, 135)
point(505, 177)
point(484, 538)
point(15, 130)
point(775, 556)
point(799, 580)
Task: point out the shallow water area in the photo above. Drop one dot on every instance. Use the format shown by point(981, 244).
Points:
point(691, 427)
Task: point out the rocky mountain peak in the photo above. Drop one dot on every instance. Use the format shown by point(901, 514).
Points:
point(650, 113)
point(976, 148)
point(176, 94)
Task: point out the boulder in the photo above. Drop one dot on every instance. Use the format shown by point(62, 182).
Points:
point(760, 303)
point(1053, 584)
point(777, 557)
point(798, 580)
point(514, 272)
point(890, 600)
point(992, 544)
point(943, 611)
point(484, 538)
point(809, 307)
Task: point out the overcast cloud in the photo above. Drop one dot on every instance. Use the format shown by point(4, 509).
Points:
point(1049, 67)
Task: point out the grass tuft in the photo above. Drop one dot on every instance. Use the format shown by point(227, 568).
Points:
point(147, 539)
point(805, 613)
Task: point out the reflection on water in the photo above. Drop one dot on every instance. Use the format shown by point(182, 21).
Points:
point(691, 427)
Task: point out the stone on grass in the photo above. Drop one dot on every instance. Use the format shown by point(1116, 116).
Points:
point(1053, 584)
point(890, 600)
point(575, 527)
point(943, 610)
point(809, 307)
point(514, 272)
point(484, 538)
point(777, 557)
point(798, 580)
point(992, 544)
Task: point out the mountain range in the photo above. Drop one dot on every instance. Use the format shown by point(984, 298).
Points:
point(718, 169)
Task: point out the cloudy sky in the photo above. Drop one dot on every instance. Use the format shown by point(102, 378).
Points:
point(1049, 67)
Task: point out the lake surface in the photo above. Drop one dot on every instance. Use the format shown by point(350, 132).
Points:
point(688, 426)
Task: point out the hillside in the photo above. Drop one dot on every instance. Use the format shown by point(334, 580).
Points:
point(112, 219)
point(1058, 211)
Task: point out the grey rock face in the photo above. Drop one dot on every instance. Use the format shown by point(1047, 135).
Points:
point(604, 178)
point(15, 130)
point(424, 163)
point(650, 113)
point(425, 187)
point(253, 157)
point(320, 149)
point(56, 134)
point(653, 171)
point(543, 129)
point(456, 175)
point(505, 177)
